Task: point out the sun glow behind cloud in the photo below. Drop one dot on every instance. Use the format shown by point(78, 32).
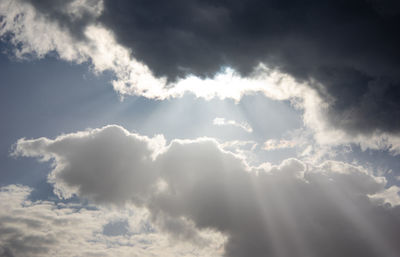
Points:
point(132, 77)
point(206, 187)
point(206, 193)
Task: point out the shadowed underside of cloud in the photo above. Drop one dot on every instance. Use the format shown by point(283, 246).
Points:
point(346, 50)
point(294, 209)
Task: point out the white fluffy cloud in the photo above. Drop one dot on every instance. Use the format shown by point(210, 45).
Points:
point(192, 186)
point(45, 228)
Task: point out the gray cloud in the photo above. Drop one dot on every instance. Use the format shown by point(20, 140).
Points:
point(189, 186)
point(116, 228)
point(351, 47)
point(346, 50)
point(108, 179)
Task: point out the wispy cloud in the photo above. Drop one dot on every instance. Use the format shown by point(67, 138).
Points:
point(273, 144)
point(223, 122)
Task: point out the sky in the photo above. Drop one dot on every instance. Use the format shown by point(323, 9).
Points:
point(199, 128)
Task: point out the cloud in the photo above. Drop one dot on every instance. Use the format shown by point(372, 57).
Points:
point(240, 147)
point(273, 144)
point(46, 228)
point(347, 86)
point(113, 175)
point(223, 122)
point(357, 70)
point(192, 186)
point(74, 31)
point(391, 196)
point(347, 52)
point(317, 119)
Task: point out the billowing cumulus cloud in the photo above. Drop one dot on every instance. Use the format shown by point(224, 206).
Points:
point(192, 186)
point(345, 50)
point(111, 174)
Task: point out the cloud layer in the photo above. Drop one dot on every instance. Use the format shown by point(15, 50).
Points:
point(337, 61)
point(190, 186)
point(47, 228)
point(346, 51)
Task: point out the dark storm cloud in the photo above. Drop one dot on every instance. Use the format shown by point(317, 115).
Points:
point(351, 47)
point(287, 210)
point(56, 10)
